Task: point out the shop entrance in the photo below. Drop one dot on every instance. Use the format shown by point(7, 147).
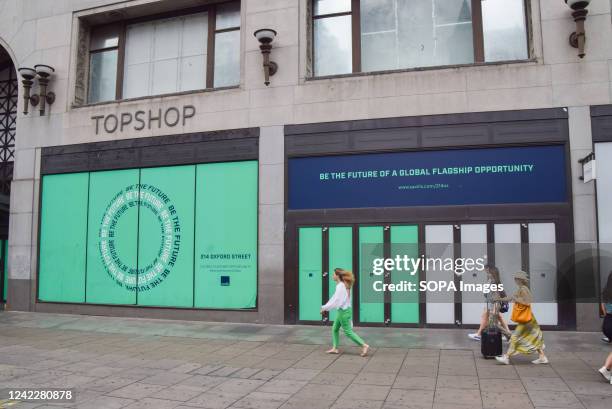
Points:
point(510, 245)
point(324, 248)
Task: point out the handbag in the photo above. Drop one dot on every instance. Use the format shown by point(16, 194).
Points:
point(521, 313)
point(503, 305)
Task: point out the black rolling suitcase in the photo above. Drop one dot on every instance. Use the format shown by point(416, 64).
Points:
point(491, 339)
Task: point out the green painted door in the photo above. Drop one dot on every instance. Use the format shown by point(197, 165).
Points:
point(226, 235)
point(310, 270)
point(340, 241)
point(371, 246)
point(165, 236)
point(63, 238)
point(404, 304)
point(112, 237)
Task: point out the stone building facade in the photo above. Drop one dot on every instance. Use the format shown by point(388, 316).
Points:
point(549, 96)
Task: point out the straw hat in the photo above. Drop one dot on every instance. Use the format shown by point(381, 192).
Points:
point(521, 275)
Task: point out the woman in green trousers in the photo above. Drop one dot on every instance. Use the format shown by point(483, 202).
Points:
point(341, 300)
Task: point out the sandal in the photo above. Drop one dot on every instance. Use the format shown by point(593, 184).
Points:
point(364, 351)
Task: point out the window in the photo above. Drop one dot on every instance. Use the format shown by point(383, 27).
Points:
point(164, 55)
point(505, 36)
point(377, 35)
point(227, 45)
point(103, 50)
point(151, 236)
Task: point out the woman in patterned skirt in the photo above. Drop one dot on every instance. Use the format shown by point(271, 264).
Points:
point(527, 338)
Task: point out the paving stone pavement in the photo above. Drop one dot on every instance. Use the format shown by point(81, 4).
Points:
point(138, 363)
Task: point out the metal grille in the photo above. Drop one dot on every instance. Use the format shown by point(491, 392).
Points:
point(8, 122)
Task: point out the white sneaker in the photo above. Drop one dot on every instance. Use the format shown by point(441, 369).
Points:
point(474, 336)
point(605, 373)
point(503, 360)
point(540, 361)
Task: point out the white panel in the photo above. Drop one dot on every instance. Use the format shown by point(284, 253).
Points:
point(138, 43)
point(603, 154)
point(508, 257)
point(136, 80)
point(195, 35)
point(164, 77)
point(193, 73)
point(440, 306)
point(543, 272)
point(167, 34)
point(507, 239)
point(473, 246)
point(471, 312)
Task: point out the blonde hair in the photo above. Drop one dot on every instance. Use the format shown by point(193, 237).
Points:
point(345, 276)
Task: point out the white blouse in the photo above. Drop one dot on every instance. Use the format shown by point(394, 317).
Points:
point(341, 299)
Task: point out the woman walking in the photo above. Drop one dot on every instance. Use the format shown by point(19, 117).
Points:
point(527, 337)
point(341, 300)
point(491, 299)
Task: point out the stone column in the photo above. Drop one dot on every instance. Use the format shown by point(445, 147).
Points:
point(23, 220)
point(271, 225)
point(584, 204)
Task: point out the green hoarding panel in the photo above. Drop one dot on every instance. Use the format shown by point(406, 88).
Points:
point(165, 236)
point(226, 235)
point(405, 304)
point(371, 303)
point(112, 237)
point(63, 235)
point(310, 270)
point(5, 272)
point(340, 255)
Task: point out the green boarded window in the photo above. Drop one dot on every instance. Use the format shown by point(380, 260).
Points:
point(112, 237)
point(130, 237)
point(405, 304)
point(63, 238)
point(340, 256)
point(310, 253)
point(165, 237)
point(226, 235)
point(371, 246)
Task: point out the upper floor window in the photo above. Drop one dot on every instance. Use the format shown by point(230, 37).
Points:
point(376, 35)
point(165, 55)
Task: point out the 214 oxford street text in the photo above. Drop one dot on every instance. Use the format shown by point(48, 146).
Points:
point(410, 265)
point(139, 120)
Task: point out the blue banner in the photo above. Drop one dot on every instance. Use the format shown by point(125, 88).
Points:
point(429, 178)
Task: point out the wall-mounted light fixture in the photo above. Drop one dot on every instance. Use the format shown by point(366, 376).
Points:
point(27, 77)
point(265, 36)
point(578, 37)
point(44, 73)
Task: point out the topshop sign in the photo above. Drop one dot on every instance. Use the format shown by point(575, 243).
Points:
point(143, 119)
